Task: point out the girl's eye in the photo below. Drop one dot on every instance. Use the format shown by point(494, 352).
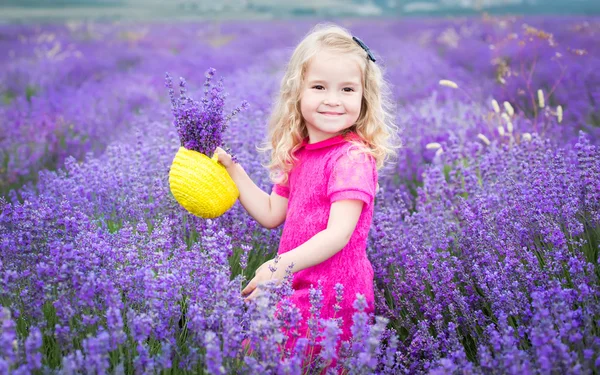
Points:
point(345, 89)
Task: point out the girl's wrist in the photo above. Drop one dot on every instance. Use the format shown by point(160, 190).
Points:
point(233, 168)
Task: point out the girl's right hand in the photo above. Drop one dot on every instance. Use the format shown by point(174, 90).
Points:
point(224, 158)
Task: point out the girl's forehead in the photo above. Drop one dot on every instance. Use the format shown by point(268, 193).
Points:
point(331, 56)
point(330, 61)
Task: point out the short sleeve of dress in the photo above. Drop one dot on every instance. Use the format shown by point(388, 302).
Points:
point(281, 190)
point(353, 176)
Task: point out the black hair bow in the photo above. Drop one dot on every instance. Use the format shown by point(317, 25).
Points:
point(364, 46)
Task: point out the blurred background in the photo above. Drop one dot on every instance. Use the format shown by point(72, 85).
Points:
point(42, 10)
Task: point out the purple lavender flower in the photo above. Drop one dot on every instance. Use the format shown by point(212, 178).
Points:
point(339, 293)
point(214, 355)
point(8, 337)
point(316, 304)
point(201, 125)
point(331, 332)
point(32, 349)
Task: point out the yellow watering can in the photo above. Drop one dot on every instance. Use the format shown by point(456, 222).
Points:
point(201, 184)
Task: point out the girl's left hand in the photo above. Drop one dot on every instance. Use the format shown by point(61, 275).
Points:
point(262, 274)
point(224, 158)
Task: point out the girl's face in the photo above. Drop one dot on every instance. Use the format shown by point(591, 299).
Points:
point(331, 94)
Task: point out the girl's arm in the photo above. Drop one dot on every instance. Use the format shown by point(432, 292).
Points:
point(268, 210)
point(343, 217)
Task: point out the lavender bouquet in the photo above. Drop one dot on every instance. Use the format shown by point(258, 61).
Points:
point(201, 125)
point(198, 182)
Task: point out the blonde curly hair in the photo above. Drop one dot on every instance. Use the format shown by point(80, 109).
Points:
point(286, 129)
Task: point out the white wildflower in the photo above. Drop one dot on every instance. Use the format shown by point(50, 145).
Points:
point(541, 101)
point(509, 125)
point(501, 130)
point(484, 139)
point(55, 49)
point(495, 106)
point(559, 113)
point(509, 109)
point(433, 146)
point(526, 137)
point(447, 83)
point(439, 152)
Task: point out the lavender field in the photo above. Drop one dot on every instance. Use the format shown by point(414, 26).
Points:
point(486, 229)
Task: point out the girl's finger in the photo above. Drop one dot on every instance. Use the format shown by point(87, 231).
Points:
point(249, 288)
point(252, 296)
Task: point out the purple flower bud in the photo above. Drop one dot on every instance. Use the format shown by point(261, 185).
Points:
point(200, 125)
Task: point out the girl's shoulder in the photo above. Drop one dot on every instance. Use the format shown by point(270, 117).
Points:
point(353, 153)
point(355, 148)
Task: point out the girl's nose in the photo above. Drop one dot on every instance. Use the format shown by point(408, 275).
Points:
point(331, 100)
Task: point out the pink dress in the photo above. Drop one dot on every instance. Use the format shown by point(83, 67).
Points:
point(326, 172)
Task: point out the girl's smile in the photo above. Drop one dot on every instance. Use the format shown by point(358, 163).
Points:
point(331, 114)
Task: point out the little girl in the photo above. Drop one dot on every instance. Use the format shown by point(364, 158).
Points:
point(331, 130)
